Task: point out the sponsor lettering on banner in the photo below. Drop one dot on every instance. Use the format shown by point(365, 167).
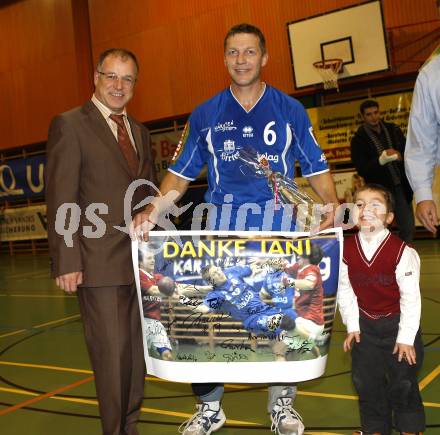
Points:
point(163, 148)
point(22, 178)
point(23, 223)
point(216, 298)
point(334, 125)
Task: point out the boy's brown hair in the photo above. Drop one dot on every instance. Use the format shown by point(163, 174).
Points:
point(389, 199)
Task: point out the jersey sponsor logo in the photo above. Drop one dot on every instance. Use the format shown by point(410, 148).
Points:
point(182, 142)
point(151, 298)
point(225, 126)
point(323, 158)
point(244, 300)
point(280, 300)
point(269, 157)
point(230, 152)
point(248, 131)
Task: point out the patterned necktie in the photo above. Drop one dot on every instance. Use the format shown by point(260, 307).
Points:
point(125, 144)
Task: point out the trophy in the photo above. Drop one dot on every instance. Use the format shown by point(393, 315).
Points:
point(285, 190)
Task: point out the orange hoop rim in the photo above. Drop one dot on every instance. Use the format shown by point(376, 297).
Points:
point(335, 64)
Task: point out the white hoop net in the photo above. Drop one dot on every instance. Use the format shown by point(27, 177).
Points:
point(329, 69)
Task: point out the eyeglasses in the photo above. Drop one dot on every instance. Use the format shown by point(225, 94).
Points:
point(127, 81)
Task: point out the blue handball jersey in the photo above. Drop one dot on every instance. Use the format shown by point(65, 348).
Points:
point(277, 127)
point(281, 297)
point(236, 297)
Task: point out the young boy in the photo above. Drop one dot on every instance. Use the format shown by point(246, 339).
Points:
point(379, 301)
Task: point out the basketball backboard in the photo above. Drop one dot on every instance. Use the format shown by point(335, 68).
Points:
point(355, 34)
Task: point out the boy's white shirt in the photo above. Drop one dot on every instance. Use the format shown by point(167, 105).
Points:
point(407, 277)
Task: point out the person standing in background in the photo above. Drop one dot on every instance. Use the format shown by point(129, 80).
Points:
point(377, 153)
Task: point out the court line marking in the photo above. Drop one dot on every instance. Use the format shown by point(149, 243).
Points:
point(23, 295)
point(95, 402)
point(45, 395)
point(47, 367)
point(429, 378)
point(331, 395)
point(66, 369)
point(41, 325)
point(302, 393)
point(53, 322)
point(158, 411)
point(9, 334)
point(17, 391)
point(327, 395)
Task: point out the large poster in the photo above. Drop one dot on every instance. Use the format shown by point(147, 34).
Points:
point(237, 306)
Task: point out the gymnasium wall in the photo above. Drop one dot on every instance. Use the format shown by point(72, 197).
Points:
point(49, 47)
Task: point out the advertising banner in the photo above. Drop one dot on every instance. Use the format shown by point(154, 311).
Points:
point(334, 125)
point(22, 178)
point(163, 146)
point(237, 306)
point(24, 223)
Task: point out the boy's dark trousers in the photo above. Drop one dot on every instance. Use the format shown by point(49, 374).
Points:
point(385, 386)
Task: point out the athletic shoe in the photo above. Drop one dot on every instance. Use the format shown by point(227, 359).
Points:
point(204, 421)
point(285, 420)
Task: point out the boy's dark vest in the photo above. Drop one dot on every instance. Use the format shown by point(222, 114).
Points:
point(374, 282)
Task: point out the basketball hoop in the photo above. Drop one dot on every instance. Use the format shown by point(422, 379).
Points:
point(329, 69)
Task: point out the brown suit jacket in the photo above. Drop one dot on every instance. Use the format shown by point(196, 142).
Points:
point(85, 165)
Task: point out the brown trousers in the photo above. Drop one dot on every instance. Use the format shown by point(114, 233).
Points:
point(113, 334)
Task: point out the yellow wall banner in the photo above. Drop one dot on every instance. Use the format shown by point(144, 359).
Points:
point(335, 125)
point(24, 223)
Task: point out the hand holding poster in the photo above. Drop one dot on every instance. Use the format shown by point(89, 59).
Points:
point(237, 307)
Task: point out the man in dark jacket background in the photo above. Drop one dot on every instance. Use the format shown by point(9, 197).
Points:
point(377, 149)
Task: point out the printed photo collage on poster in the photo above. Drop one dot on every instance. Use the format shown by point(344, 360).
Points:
point(252, 299)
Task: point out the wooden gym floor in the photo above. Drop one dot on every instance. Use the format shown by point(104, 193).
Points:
point(46, 386)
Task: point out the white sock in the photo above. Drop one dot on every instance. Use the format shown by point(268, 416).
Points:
point(214, 406)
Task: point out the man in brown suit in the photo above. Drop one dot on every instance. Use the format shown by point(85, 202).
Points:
point(92, 157)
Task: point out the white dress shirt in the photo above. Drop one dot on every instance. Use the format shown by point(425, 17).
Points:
point(407, 277)
point(422, 151)
point(106, 112)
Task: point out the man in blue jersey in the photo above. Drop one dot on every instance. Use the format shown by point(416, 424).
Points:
point(280, 295)
point(247, 114)
point(233, 295)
